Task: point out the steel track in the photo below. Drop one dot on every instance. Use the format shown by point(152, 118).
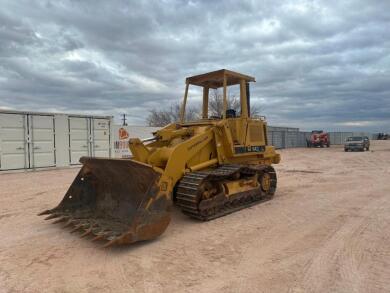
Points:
point(188, 193)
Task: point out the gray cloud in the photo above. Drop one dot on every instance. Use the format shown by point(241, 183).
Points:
point(318, 64)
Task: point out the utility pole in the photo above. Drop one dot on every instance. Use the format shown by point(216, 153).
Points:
point(124, 123)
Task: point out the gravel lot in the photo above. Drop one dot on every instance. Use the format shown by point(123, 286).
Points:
point(326, 230)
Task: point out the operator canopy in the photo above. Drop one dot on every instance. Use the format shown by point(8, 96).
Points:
point(214, 79)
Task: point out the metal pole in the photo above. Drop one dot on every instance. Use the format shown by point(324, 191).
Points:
point(183, 106)
point(224, 97)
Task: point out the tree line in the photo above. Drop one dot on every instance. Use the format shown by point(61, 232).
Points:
point(162, 117)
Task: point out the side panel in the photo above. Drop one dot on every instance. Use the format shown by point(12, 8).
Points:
point(61, 140)
point(100, 137)
point(255, 134)
point(13, 142)
point(291, 139)
point(277, 139)
point(42, 148)
point(78, 138)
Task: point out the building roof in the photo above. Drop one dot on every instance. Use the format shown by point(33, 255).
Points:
point(214, 79)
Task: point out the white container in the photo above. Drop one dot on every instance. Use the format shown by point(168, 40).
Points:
point(30, 140)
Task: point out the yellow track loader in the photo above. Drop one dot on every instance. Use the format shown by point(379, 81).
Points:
point(208, 168)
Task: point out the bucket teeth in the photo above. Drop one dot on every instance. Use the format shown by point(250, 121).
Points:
point(104, 203)
point(62, 219)
point(104, 233)
point(111, 242)
point(52, 216)
point(87, 232)
point(47, 212)
point(76, 227)
point(100, 236)
point(70, 222)
point(80, 224)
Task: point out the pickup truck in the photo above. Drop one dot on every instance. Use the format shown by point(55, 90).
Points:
point(357, 143)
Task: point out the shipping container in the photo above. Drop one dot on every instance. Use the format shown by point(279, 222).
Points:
point(30, 140)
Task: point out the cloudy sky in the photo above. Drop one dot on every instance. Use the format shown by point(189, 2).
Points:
point(318, 64)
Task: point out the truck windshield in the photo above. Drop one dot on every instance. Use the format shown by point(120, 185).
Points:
point(355, 138)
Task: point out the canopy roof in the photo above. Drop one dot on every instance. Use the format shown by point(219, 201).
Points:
point(214, 79)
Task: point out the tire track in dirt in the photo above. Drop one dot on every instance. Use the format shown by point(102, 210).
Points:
point(338, 259)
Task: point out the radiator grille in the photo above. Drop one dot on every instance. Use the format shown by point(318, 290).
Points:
point(255, 133)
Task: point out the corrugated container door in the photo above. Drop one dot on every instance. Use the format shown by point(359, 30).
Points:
point(78, 138)
point(100, 137)
point(42, 146)
point(277, 139)
point(13, 142)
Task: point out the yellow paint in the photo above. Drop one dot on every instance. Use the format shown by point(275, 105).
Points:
point(240, 185)
point(201, 144)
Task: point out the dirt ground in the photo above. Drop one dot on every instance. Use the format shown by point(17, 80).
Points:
point(326, 230)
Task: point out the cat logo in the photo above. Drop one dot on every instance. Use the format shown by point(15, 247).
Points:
point(123, 134)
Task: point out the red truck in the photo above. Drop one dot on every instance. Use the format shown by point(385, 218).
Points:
point(318, 138)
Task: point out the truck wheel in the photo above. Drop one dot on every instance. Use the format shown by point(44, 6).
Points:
point(328, 145)
point(321, 145)
point(345, 150)
point(368, 148)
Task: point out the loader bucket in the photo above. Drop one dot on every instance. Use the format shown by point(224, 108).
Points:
point(114, 200)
